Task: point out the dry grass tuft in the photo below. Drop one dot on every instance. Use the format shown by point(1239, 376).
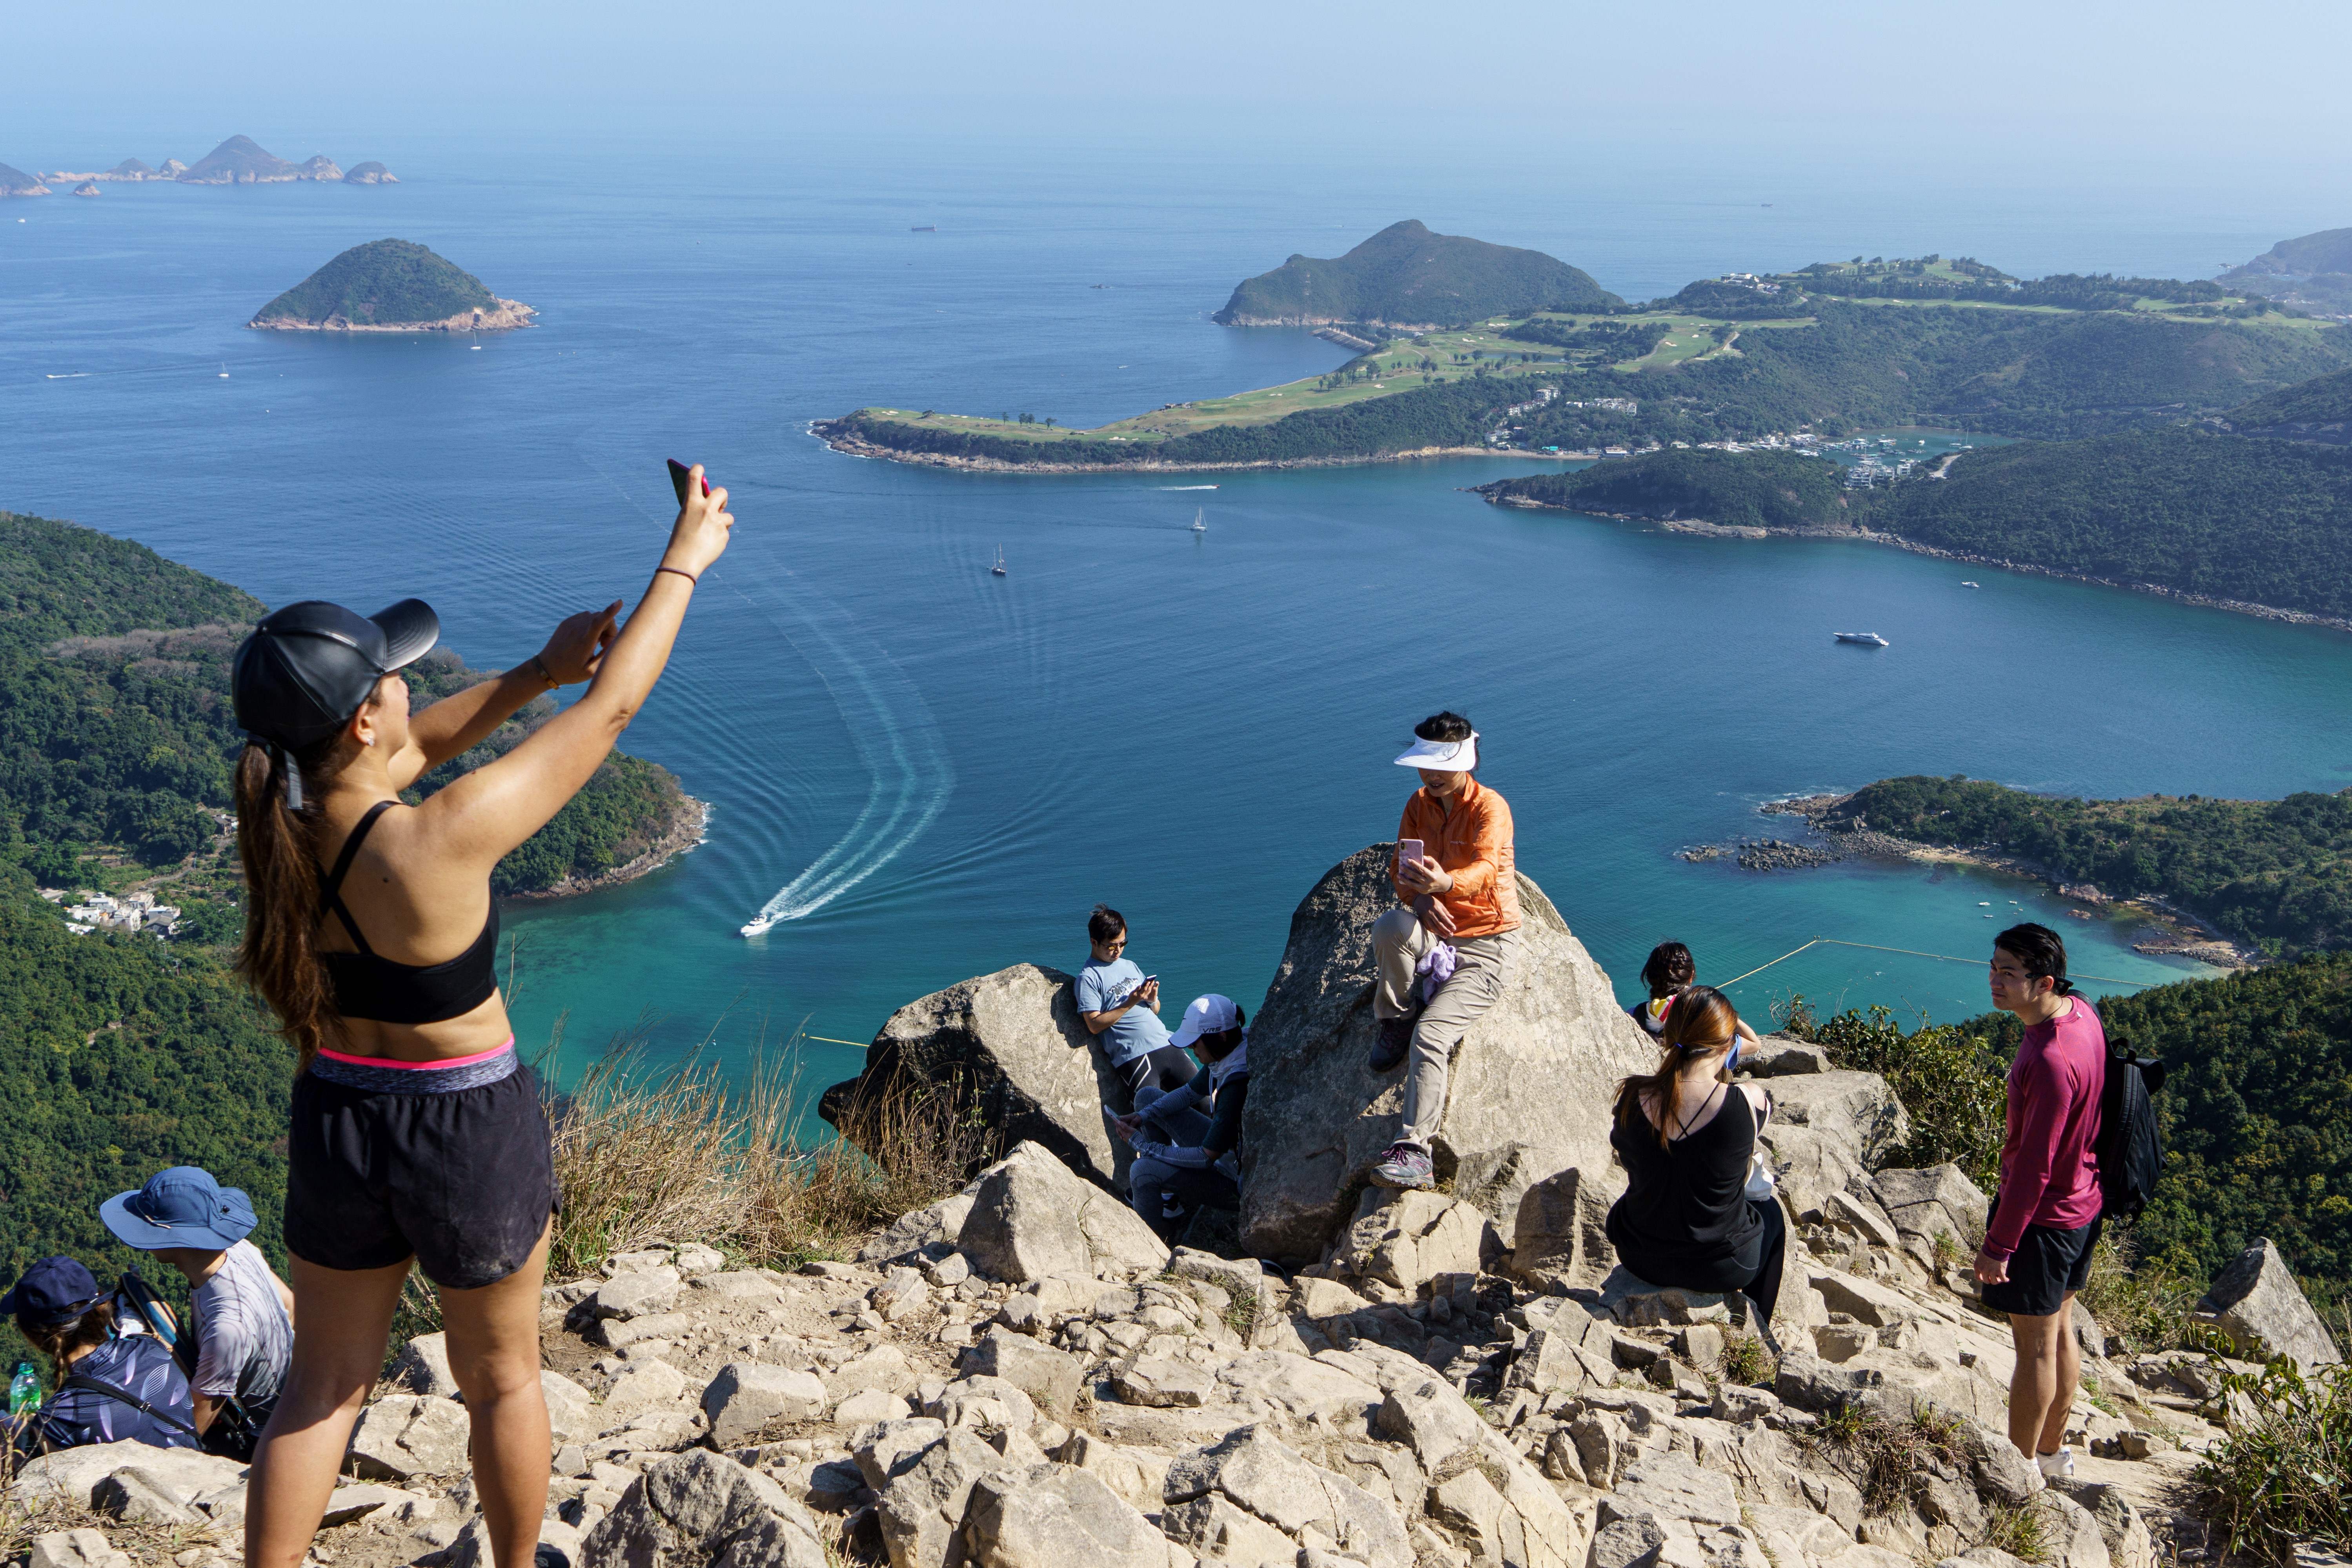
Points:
point(1888, 1460)
point(677, 1155)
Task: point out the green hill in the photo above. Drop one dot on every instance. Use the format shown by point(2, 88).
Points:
point(386, 283)
point(1756, 490)
point(117, 741)
point(2232, 518)
point(239, 161)
point(2312, 270)
point(2319, 409)
point(2273, 873)
point(1407, 276)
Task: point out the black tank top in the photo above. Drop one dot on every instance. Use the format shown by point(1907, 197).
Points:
point(367, 986)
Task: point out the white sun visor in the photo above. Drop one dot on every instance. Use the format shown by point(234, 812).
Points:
point(1442, 756)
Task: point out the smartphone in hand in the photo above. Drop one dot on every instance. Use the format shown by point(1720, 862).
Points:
point(682, 474)
point(1408, 850)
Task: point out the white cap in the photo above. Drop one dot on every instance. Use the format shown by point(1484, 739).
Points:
point(1442, 756)
point(1210, 1014)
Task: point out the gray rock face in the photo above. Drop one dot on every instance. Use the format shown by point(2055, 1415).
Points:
point(1058, 1517)
point(747, 1397)
point(1007, 1046)
point(1275, 1483)
point(922, 1474)
point(699, 1508)
point(76, 1548)
point(407, 1435)
point(73, 1474)
point(1559, 1239)
point(1051, 1378)
point(423, 1366)
point(1031, 1218)
point(1530, 1085)
point(2258, 1304)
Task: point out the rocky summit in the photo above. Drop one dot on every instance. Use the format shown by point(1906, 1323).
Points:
point(1023, 1375)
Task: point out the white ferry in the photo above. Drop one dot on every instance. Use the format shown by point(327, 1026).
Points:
point(1868, 640)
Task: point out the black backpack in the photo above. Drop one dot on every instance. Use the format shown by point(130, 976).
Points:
point(2129, 1151)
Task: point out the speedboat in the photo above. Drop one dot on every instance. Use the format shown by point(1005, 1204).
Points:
point(1867, 640)
point(754, 927)
point(1966, 585)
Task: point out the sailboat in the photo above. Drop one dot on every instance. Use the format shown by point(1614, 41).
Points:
point(224, 374)
point(998, 570)
point(1199, 526)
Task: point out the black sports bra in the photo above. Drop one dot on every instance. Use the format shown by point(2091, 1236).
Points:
point(368, 985)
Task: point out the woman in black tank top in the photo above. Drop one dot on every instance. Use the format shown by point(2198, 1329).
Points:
point(1686, 1135)
point(416, 1137)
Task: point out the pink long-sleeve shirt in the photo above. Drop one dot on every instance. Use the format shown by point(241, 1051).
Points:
point(2048, 1174)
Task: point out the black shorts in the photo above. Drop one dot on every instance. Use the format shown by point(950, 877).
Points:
point(462, 1181)
point(2047, 1266)
point(1169, 1066)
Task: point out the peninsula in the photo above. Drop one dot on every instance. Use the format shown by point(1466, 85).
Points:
point(1406, 278)
point(390, 286)
point(1829, 350)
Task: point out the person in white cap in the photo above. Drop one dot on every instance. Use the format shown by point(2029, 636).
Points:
point(1184, 1140)
point(1444, 952)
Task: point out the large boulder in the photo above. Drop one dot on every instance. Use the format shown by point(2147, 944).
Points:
point(1559, 1237)
point(1006, 1049)
point(1530, 1089)
point(697, 1509)
point(1031, 1219)
point(2256, 1302)
point(1273, 1483)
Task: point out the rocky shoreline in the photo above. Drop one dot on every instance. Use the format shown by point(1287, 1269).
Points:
point(683, 831)
point(832, 433)
point(510, 314)
point(2177, 933)
point(1704, 529)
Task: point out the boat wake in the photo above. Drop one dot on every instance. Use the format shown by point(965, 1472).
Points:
point(893, 731)
point(889, 725)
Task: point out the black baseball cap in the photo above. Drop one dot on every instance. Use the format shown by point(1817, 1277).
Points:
point(53, 1293)
point(306, 668)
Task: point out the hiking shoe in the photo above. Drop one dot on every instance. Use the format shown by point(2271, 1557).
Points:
point(1404, 1166)
point(1396, 1039)
point(2057, 1466)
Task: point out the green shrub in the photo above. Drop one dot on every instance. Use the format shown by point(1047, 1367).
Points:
point(2284, 1472)
point(1951, 1083)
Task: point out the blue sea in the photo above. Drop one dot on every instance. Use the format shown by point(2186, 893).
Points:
point(931, 772)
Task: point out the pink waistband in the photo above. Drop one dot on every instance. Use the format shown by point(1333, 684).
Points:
point(442, 1064)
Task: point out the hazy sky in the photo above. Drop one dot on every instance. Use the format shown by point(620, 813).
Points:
point(2260, 81)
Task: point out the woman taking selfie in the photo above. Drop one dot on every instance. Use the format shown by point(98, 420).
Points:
point(416, 1134)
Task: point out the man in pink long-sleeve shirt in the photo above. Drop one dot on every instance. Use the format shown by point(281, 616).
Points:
point(2045, 1221)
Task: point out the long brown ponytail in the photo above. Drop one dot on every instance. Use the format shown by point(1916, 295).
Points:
point(278, 844)
point(1701, 1018)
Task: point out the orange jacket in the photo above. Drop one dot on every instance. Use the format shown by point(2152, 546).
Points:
point(1473, 841)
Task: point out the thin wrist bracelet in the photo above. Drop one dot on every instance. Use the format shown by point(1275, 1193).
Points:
point(544, 673)
point(678, 571)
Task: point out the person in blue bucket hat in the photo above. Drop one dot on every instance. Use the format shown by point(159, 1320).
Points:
point(111, 1387)
point(243, 1313)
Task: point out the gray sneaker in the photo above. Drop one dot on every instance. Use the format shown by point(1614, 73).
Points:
point(1404, 1166)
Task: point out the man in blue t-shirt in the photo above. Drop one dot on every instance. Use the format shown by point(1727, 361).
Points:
point(1120, 1007)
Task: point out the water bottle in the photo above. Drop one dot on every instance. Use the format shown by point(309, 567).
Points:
point(24, 1390)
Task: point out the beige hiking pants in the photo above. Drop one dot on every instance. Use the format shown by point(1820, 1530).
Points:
point(1483, 963)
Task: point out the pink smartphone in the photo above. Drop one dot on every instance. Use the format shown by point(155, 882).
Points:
point(1408, 850)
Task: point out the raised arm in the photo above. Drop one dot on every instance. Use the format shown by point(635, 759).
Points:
point(463, 720)
point(492, 809)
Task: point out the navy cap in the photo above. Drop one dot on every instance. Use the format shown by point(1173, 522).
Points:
point(182, 1206)
point(305, 670)
point(53, 1292)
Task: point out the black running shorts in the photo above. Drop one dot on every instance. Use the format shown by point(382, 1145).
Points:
point(462, 1181)
point(2047, 1266)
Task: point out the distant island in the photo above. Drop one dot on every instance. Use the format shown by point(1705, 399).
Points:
point(1408, 277)
point(390, 286)
point(16, 183)
point(239, 161)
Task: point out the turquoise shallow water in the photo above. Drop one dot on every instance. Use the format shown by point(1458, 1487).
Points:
point(940, 771)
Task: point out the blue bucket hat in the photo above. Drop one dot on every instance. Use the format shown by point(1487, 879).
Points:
point(53, 1292)
point(182, 1206)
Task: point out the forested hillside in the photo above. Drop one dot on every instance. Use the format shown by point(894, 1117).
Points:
point(117, 738)
point(2318, 409)
point(2268, 523)
point(384, 282)
point(2276, 873)
point(1753, 489)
